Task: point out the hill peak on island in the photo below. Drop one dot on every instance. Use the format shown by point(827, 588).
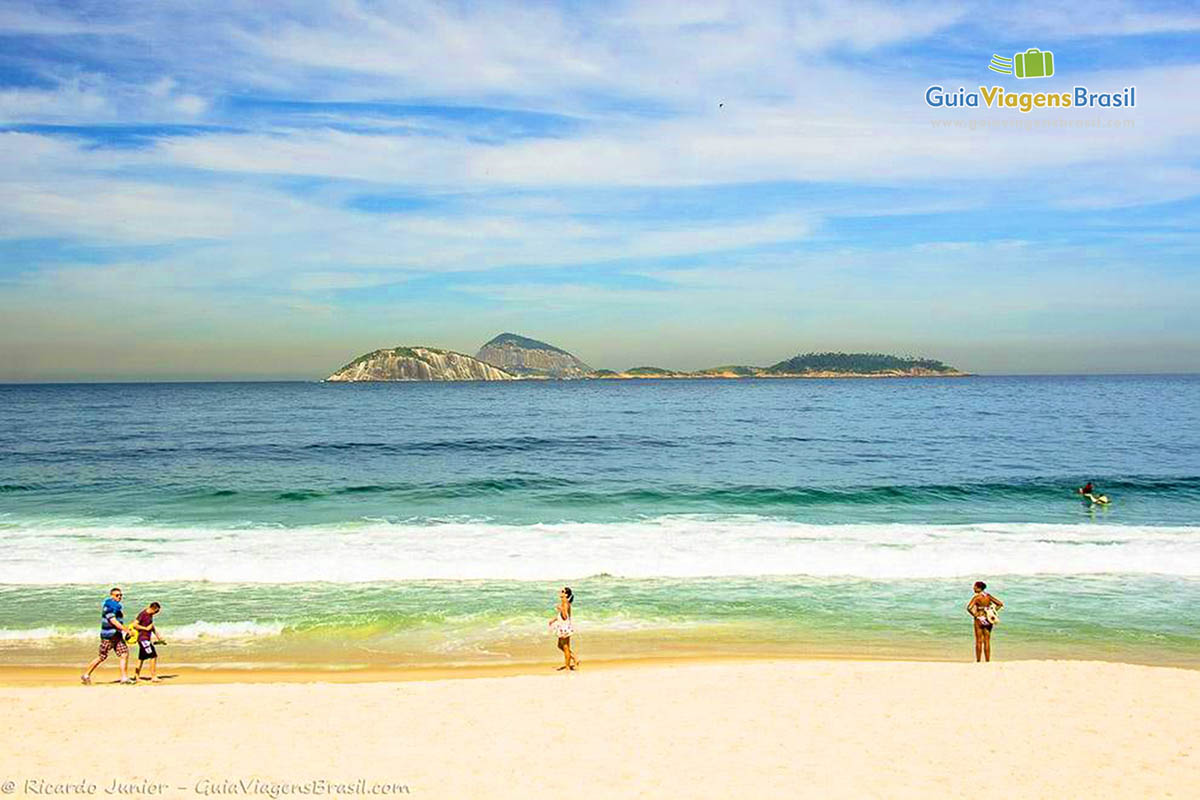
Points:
point(531, 358)
point(517, 340)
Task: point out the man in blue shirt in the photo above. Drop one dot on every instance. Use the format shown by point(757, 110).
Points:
point(112, 637)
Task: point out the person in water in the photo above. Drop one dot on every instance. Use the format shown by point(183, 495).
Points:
point(982, 607)
point(1094, 497)
point(112, 637)
point(561, 626)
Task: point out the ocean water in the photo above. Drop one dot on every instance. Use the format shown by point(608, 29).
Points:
point(398, 524)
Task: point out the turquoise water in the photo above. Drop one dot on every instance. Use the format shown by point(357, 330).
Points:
point(423, 523)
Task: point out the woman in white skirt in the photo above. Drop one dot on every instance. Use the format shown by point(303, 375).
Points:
point(561, 627)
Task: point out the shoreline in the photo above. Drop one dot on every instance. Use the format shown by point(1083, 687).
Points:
point(14, 676)
point(625, 376)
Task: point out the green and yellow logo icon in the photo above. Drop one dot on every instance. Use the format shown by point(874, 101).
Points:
point(1033, 63)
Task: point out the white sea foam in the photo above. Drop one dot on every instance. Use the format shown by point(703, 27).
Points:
point(226, 630)
point(672, 546)
point(196, 631)
point(43, 635)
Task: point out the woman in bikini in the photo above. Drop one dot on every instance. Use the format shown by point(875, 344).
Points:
point(982, 608)
point(561, 626)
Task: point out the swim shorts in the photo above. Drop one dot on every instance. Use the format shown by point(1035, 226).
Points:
point(115, 643)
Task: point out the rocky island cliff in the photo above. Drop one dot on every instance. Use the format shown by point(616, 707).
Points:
point(530, 358)
point(512, 357)
point(418, 364)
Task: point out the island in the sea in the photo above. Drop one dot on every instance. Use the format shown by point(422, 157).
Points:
point(418, 364)
point(529, 358)
point(509, 357)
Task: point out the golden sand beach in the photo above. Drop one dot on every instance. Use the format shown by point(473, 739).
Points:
point(736, 728)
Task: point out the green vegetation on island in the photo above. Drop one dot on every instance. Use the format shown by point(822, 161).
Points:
point(806, 365)
point(739, 370)
point(856, 364)
point(652, 371)
point(397, 352)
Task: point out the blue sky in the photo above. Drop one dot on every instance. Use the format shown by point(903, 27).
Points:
point(265, 190)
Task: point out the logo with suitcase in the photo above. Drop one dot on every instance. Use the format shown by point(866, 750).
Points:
point(1033, 63)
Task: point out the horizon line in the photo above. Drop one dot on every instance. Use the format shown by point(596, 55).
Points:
point(117, 382)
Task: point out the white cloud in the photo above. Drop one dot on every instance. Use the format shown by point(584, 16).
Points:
point(865, 26)
point(113, 210)
point(667, 51)
point(1102, 18)
point(33, 18)
point(72, 100)
point(571, 296)
point(329, 247)
point(887, 137)
point(329, 279)
point(191, 105)
point(79, 98)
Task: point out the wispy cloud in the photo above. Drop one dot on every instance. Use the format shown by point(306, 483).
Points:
point(1103, 18)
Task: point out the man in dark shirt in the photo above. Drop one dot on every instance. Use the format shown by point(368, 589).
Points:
point(112, 637)
point(147, 635)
